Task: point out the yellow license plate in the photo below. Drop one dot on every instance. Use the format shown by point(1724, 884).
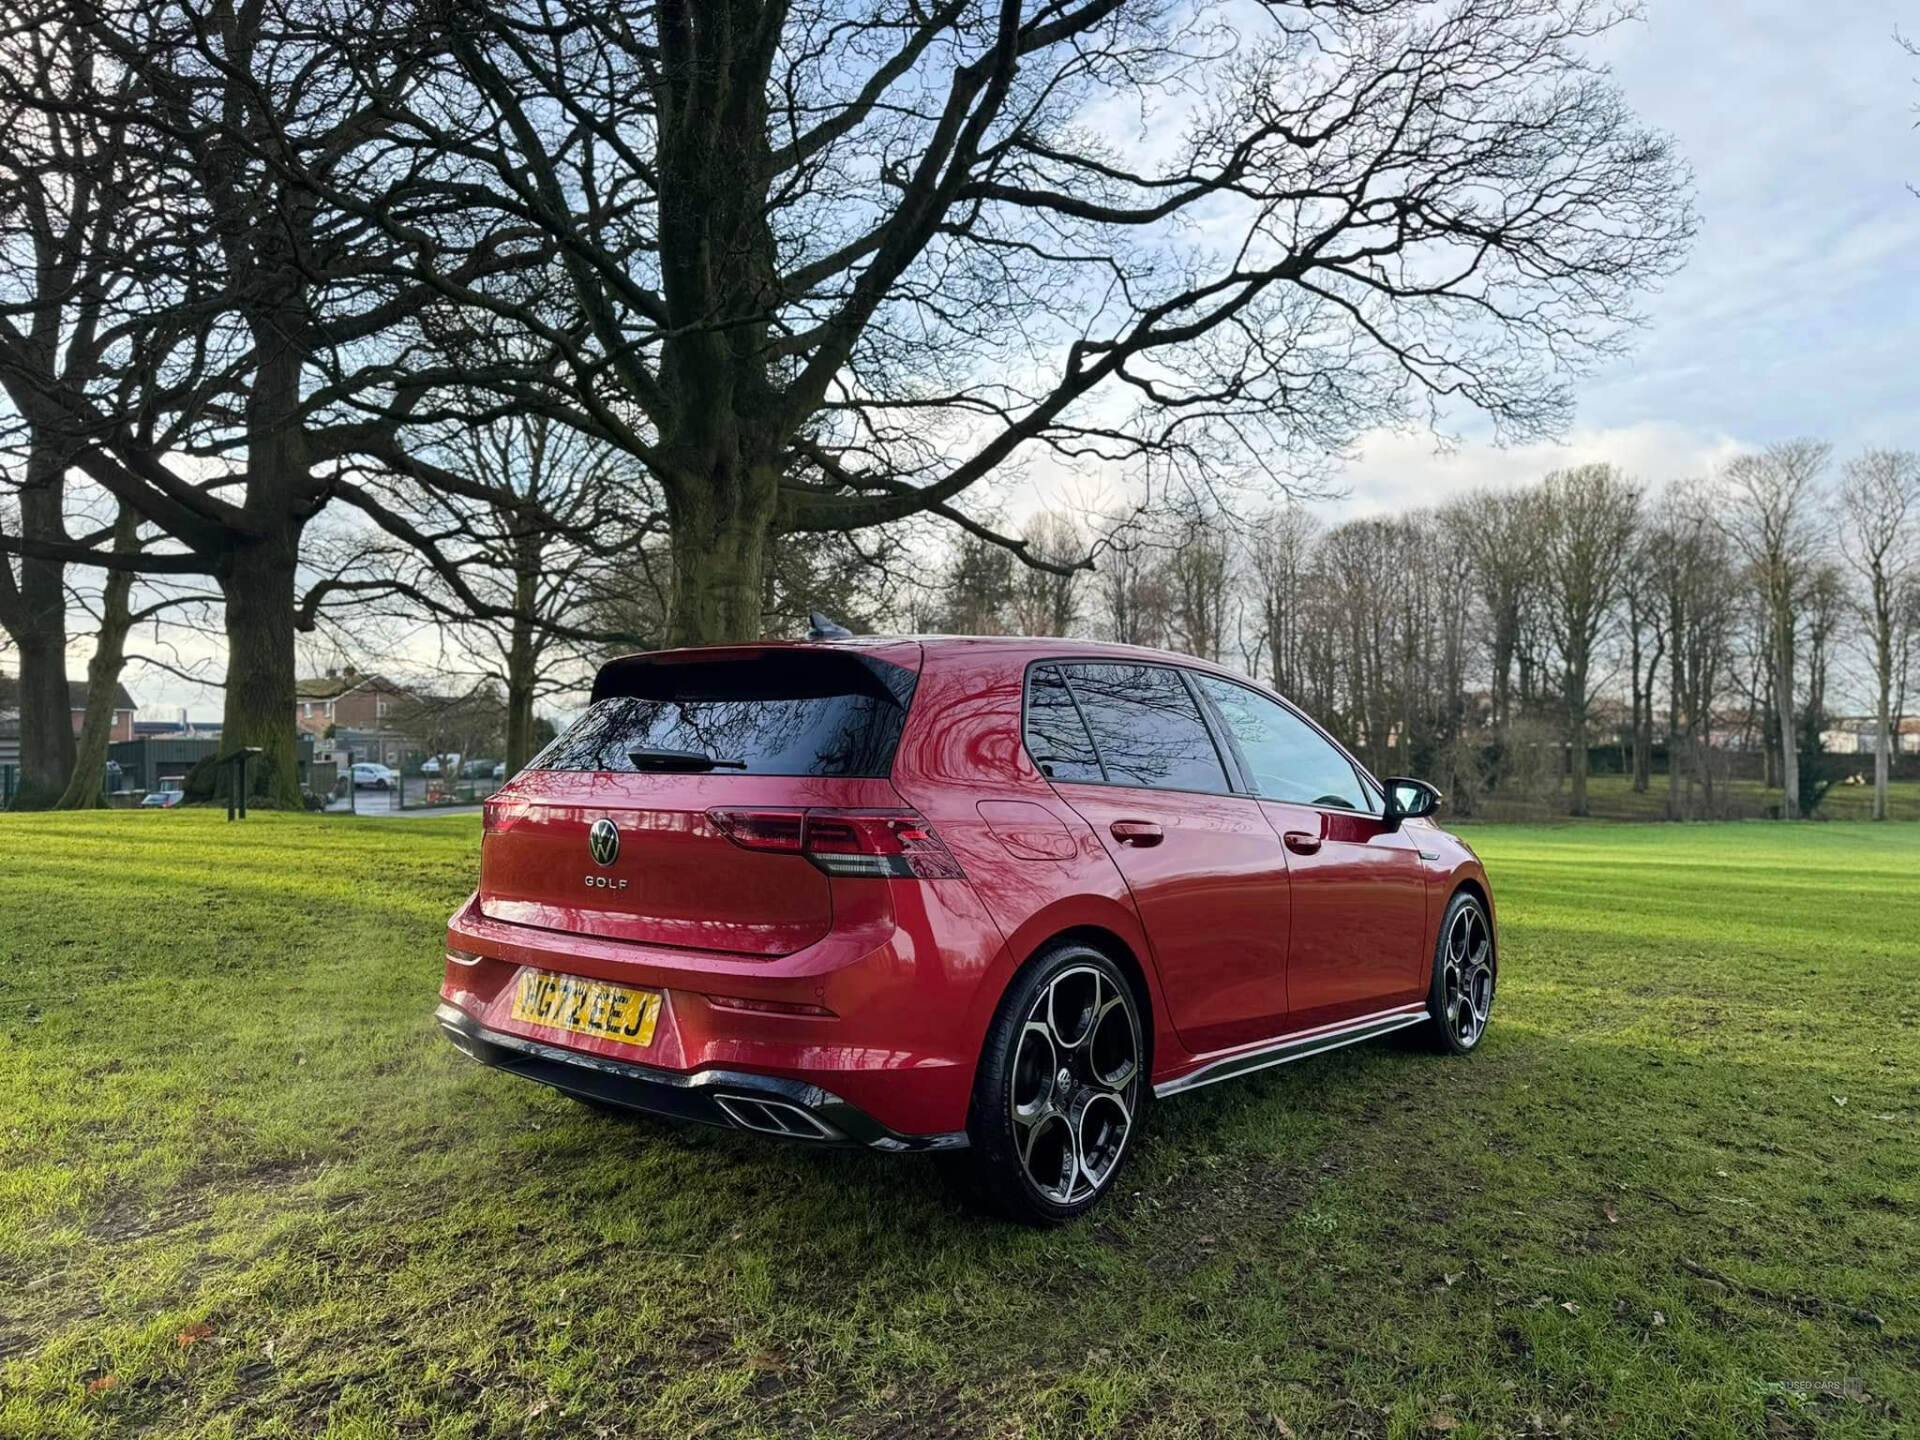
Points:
point(587, 1007)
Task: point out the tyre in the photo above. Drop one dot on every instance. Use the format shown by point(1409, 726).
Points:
point(1460, 1001)
point(1061, 1093)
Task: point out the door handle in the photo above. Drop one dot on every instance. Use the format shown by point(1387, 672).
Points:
point(1302, 842)
point(1143, 833)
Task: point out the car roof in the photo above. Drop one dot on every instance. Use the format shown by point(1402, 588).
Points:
point(901, 649)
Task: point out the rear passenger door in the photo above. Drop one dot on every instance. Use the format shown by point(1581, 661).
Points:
point(1359, 887)
point(1126, 746)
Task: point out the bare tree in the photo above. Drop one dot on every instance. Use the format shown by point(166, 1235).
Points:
point(120, 610)
point(1828, 613)
point(1199, 571)
point(1768, 502)
point(1589, 516)
point(1497, 530)
point(1046, 599)
point(1691, 580)
point(273, 323)
point(1646, 641)
point(1134, 597)
point(836, 267)
point(557, 529)
point(978, 588)
point(1280, 556)
point(64, 181)
point(1880, 520)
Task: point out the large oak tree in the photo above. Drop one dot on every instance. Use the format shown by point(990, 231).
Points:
point(837, 263)
point(281, 357)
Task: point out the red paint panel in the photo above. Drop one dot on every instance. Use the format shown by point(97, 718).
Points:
point(1359, 913)
point(1212, 893)
point(1028, 831)
point(677, 880)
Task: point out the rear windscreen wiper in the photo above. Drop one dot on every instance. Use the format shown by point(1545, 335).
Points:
point(691, 760)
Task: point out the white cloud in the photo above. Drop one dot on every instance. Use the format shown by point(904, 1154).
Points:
point(1395, 471)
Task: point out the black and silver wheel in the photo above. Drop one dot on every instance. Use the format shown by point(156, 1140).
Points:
point(1061, 1091)
point(1461, 1000)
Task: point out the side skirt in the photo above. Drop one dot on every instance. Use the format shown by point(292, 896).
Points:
point(1296, 1047)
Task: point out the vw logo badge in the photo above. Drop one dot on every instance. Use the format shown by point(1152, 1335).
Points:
point(603, 840)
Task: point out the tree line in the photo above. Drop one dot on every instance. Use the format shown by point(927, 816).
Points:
point(546, 319)
point(1475, 641)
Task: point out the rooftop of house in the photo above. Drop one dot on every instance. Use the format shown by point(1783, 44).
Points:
point(336, 683)
point(77, 696)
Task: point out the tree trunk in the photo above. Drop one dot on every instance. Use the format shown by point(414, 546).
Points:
point(103, 674)
point(523, 655)
point(520, 679)
point(1673, 742)
point(1789, 742)
point(258, 586)
point(1577, 714)
point(1883, 753)
point(719, 555)
point(40, 637)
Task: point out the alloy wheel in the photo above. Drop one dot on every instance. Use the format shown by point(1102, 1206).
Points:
point(1467, 976)
point(1074, 1087)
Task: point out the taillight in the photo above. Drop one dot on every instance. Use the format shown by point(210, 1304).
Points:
point(498, 815)
point(896, 844)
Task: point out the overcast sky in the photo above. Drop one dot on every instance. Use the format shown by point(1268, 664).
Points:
point(1799, 309)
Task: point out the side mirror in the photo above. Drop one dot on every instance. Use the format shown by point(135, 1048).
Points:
point(1409, 799)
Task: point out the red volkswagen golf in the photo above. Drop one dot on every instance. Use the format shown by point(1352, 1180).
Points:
point(984, 897)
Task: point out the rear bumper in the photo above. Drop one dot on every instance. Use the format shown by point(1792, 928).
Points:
point(885, 1017)
point(767, 1104)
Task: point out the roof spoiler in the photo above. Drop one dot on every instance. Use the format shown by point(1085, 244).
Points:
point(747, 674)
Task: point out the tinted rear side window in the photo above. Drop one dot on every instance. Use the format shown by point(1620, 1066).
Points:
point(799, 714)
point(1056, 737)
point(1146, 727)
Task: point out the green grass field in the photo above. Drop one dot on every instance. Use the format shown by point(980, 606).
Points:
point(246, 1189)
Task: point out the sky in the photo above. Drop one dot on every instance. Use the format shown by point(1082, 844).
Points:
point(1798, 312)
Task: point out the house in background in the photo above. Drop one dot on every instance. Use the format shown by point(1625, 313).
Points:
point(123, 709)
point(357, 709)
point(123, 713)
point(1860, 735)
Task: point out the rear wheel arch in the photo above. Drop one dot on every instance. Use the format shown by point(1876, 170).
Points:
point(1003, 1170)
point(1117, 950)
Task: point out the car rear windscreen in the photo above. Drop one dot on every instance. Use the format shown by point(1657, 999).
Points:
point(786, 713)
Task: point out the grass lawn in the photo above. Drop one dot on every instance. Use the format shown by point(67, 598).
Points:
point(247, 1190)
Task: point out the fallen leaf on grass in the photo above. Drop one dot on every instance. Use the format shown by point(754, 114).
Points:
point(1659, 1318)
point(1442, 1422)
point(1280, 1427)
point(1455, 1278)
point(194, 1334)
point(1571, 1307)
point(1840, 1100)
point(1613, 1215)
point(102, 1382)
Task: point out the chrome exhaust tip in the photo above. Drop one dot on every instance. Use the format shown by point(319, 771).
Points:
point(775, 1117)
